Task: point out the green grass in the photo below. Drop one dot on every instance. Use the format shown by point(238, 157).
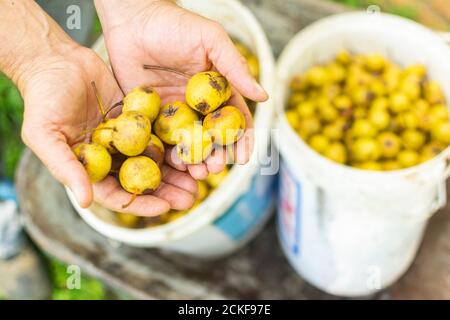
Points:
point(11, 117)
point(405, 11)
point(90, 289)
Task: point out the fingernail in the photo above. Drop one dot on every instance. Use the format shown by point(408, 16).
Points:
point(260, 90)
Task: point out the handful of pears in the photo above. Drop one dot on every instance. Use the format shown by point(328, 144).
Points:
point(126, 145)
point(367, 112)
point(215, 128)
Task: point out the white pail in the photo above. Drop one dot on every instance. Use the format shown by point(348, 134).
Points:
point(347, 231)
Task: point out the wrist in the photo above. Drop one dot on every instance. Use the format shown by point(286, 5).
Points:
point(114, 13)
point(31, 38)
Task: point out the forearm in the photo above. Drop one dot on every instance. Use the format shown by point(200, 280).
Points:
point(27, 35)
point(115, 12)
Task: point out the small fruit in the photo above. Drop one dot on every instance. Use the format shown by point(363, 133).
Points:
point(155, 150)
point(127, 220)
point(143, 100)
point(380, 103)
point(308, 127)
point(306, 109)
point(173, 116)
point(418, 70)
point(413, 139)
point(139, 175)
point(408, 158)
point(390, 144)
point(369, 165)
point(293, 118)
point(363, 128)
point(379, 118)
point(194, 144)
point(391, 165)
point(335, 130)
point(375, 62)
point(253, 65)
point(319, 142)
point(206, 91)
point(407, 120)
point(328, 113)
point(295, 99)
point(433, 92)
point(441, 132)
point(225, 125)
point(316, 76)
point(430, 151)
point(131, 133)
point(215, 179)
point(95, 159)
point(202, 191)
point(439, 112)
point(103, 135)
point(366, 149)
point(399, 102)
point(336, 152)
point(343, 104)
point(343, 57)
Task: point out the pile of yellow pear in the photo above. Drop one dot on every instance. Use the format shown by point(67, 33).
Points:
point(367, 112)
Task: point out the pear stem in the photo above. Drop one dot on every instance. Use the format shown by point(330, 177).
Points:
point(130, 202)
point(152, 67)
point(97, 96)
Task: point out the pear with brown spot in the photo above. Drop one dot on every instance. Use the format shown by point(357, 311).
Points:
point(103, 135)
point(226, 125)
point(139, 175)
point(131, 133)
point(194, 144)
point(155, 150)
point(144, 100)
point(172, 117)
point(207, 91)
point(95, 159)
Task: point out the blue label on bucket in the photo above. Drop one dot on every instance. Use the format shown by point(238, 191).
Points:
point(249, 209)
point(289, 210)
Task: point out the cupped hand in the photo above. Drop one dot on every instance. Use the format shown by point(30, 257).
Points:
point(60, 105)
point(163, 34)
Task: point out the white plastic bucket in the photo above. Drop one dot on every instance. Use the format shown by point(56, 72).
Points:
point(351, 232)
point(235, 211)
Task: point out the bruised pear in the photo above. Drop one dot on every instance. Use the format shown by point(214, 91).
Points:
point(226, 125)
point(155, 150)
point(143, 100)
point(131, 133)
point(139, 175)
point(194, 144)
point(95, 159)
point(103, 135)
point(173, 116)
point(206, 91)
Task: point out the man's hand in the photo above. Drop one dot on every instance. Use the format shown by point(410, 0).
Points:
point(54, 76)
point(158, 32)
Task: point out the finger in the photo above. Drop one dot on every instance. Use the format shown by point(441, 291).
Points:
point(110, 194)
point(230, 63)
point(217, 161)
point(178, 199)
point(198, 171)
point(179, 179)
point(53, 150)
point(173, 160)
